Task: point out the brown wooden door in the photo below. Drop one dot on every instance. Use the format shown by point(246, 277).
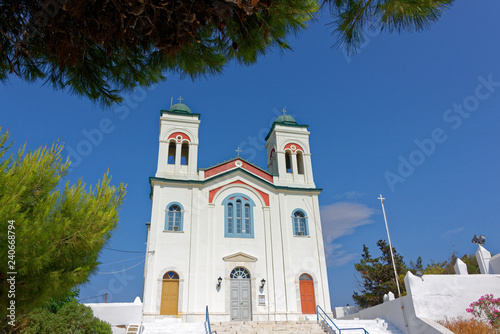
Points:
point(307, 297)
point(169, 297)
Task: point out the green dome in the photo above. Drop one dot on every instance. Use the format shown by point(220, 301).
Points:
point(285, 119)
point(180, 107)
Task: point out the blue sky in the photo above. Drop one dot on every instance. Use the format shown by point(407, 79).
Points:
point(412, 116)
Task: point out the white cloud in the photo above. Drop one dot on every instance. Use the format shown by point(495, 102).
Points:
point(342, 218)
point(339, 219)
point(454, 231)
point(349, 195)
point(336, 256)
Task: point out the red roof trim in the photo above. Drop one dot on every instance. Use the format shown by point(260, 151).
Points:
point(232, 164)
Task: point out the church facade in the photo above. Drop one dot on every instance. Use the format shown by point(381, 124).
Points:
point(244, 241)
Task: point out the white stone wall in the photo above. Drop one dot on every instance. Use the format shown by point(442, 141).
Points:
point(118, 313)
point(440, 296)
point(495, 265)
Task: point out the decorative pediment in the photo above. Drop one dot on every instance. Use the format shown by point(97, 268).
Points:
point(239, 257)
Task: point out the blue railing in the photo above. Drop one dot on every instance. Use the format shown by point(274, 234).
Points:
point(208, 330)
point(324, 316)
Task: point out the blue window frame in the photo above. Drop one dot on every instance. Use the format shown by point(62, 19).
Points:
point(174, 217)
point(238, 216)
point(299, 220)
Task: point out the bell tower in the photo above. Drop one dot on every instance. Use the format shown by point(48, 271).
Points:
point(178, 152)
point(288, 152)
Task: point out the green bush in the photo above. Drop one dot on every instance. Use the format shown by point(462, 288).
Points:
point(72, 318)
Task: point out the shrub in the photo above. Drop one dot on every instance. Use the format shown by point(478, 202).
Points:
point(486, 308)
point(467, 326)
point(71, 318)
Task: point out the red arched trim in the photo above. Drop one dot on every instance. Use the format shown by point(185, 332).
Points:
point(213, 192)
point(271, 155)
point(182, 136)
point(294, 147)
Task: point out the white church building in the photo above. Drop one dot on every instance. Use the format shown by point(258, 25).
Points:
point(242, 240)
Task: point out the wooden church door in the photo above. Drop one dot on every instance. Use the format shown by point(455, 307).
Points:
point(169, 294)
point(307, 294)
point(241, 305)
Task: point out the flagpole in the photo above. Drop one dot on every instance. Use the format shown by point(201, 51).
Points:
point(390, 244)
point(394, 265)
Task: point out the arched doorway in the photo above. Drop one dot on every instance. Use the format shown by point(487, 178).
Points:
point(169, 294)
point(241, 305)
point(307, 294)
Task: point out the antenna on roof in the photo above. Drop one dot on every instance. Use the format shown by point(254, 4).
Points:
point(171, 100)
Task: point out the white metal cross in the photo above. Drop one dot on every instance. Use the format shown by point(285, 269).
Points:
point(283, 111)
point(238, 150)
point(180, 99)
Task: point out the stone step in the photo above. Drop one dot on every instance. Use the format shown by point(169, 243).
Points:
point(132, 329)
point(375, 326)
point(166, 327)
point(267, 327)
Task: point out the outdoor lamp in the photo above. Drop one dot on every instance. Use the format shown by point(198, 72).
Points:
point(219, 281)
point(262, 283)
point(479, 240)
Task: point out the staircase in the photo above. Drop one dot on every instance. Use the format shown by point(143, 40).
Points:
point(267, 327)
point(376, 326)
point(132, 329)
point(173, 326)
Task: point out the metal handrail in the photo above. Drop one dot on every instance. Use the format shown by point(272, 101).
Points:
point(208, 329)
point(323, 314)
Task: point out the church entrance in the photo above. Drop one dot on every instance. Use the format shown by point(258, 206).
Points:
point(169, 294)
point(241, 305)
point(307, 294)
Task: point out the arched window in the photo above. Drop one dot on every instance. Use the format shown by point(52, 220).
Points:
point(185, 154)
point(300, 162)
point(288, 161)
point(239, 272)
point(171, 275)
point(299, 219)
point(174, 217)
point(305, 277)
point(238, 216)
point(171, 153)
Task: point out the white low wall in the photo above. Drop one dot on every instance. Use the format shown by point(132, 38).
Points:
point(434, 298)
point(343, 311)
point(439, 296)
point(495, 265)
point(118, 313)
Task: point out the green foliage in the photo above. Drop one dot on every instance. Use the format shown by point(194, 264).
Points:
point(352, 16)
point(54, 305)
point(71, 318)
point(59, 229)
point(101, 48)
point(377, 275)
point(471, 262)
point(447, 267)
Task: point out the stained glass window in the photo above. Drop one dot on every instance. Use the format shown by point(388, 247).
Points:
point(171, 275)
point(240, 272)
